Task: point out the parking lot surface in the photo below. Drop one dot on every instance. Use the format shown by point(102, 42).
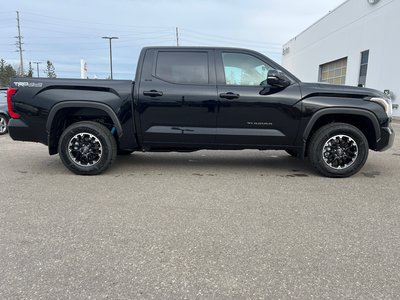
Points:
point(203, 225)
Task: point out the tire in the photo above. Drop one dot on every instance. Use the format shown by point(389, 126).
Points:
point(87, 148)
point(292, 153)
point(3, 124)
point(338, 150)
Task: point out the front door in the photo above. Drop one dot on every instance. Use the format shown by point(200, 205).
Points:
point(178, 99)
point(252, 113)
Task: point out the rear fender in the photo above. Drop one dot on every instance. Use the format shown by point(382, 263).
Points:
point(50, 124)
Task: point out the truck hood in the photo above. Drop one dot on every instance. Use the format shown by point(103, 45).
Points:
point(330, 90)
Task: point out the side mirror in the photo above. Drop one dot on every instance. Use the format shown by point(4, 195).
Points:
point(278, 79)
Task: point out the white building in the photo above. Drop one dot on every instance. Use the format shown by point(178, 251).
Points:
point(358, 43)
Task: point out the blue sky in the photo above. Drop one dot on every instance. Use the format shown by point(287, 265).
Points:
point(66, 31)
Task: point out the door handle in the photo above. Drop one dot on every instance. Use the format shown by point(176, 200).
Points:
point(229, 95)
point(153, 93)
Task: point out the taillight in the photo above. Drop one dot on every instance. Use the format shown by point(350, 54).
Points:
point(10, 93)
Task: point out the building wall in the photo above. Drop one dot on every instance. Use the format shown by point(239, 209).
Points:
point(348, 30)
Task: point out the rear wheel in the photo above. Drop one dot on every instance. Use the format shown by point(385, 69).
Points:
point(3, 124)
point(338, 150)
point(87, 148)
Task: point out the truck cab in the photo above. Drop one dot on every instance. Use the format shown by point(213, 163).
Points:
point(214, 98)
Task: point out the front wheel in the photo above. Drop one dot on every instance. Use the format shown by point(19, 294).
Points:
point(338, 150)
point(3, 124)
point(87, 148)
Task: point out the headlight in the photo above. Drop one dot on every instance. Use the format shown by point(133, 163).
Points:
point(386, 103)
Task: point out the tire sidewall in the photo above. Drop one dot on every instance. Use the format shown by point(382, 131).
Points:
point(325, 135)
point(98, 132)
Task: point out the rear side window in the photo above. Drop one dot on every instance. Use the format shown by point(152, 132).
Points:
point(183, 67)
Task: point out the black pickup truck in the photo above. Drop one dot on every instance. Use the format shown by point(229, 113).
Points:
point(192, 98)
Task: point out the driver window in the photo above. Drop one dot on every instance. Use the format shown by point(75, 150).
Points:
point(244, 69)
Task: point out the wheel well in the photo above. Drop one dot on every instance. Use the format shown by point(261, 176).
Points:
point(362, 123)
point(67, 116)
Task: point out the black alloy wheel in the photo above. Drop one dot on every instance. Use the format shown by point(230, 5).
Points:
point(338, 150)
point(87, 148)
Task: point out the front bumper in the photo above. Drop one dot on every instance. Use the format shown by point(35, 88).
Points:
point(387, 138)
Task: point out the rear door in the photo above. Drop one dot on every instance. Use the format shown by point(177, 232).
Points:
point(252, 113)
point(177, 98)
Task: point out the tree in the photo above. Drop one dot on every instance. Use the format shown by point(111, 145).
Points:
point(6, 72)
point(50, 70)
point(30, 71)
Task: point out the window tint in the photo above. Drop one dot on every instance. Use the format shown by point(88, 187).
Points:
point(183, 67)
point(244, 69)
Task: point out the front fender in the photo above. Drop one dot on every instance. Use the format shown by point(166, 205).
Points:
point(342, 111)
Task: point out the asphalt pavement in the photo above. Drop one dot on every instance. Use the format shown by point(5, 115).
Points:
point(203, 225)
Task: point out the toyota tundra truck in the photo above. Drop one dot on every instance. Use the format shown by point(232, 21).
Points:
point(193, 98)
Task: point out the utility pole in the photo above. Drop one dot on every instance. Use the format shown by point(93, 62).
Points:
point(37, 67)
point(19, 47)
point(110, 38)
point(177, 36)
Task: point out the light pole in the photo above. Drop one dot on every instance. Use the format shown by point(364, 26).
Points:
point(110, 38)
point(37, 67)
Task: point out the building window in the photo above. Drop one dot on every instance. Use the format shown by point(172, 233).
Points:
point(334, 72)
point(363, 68)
